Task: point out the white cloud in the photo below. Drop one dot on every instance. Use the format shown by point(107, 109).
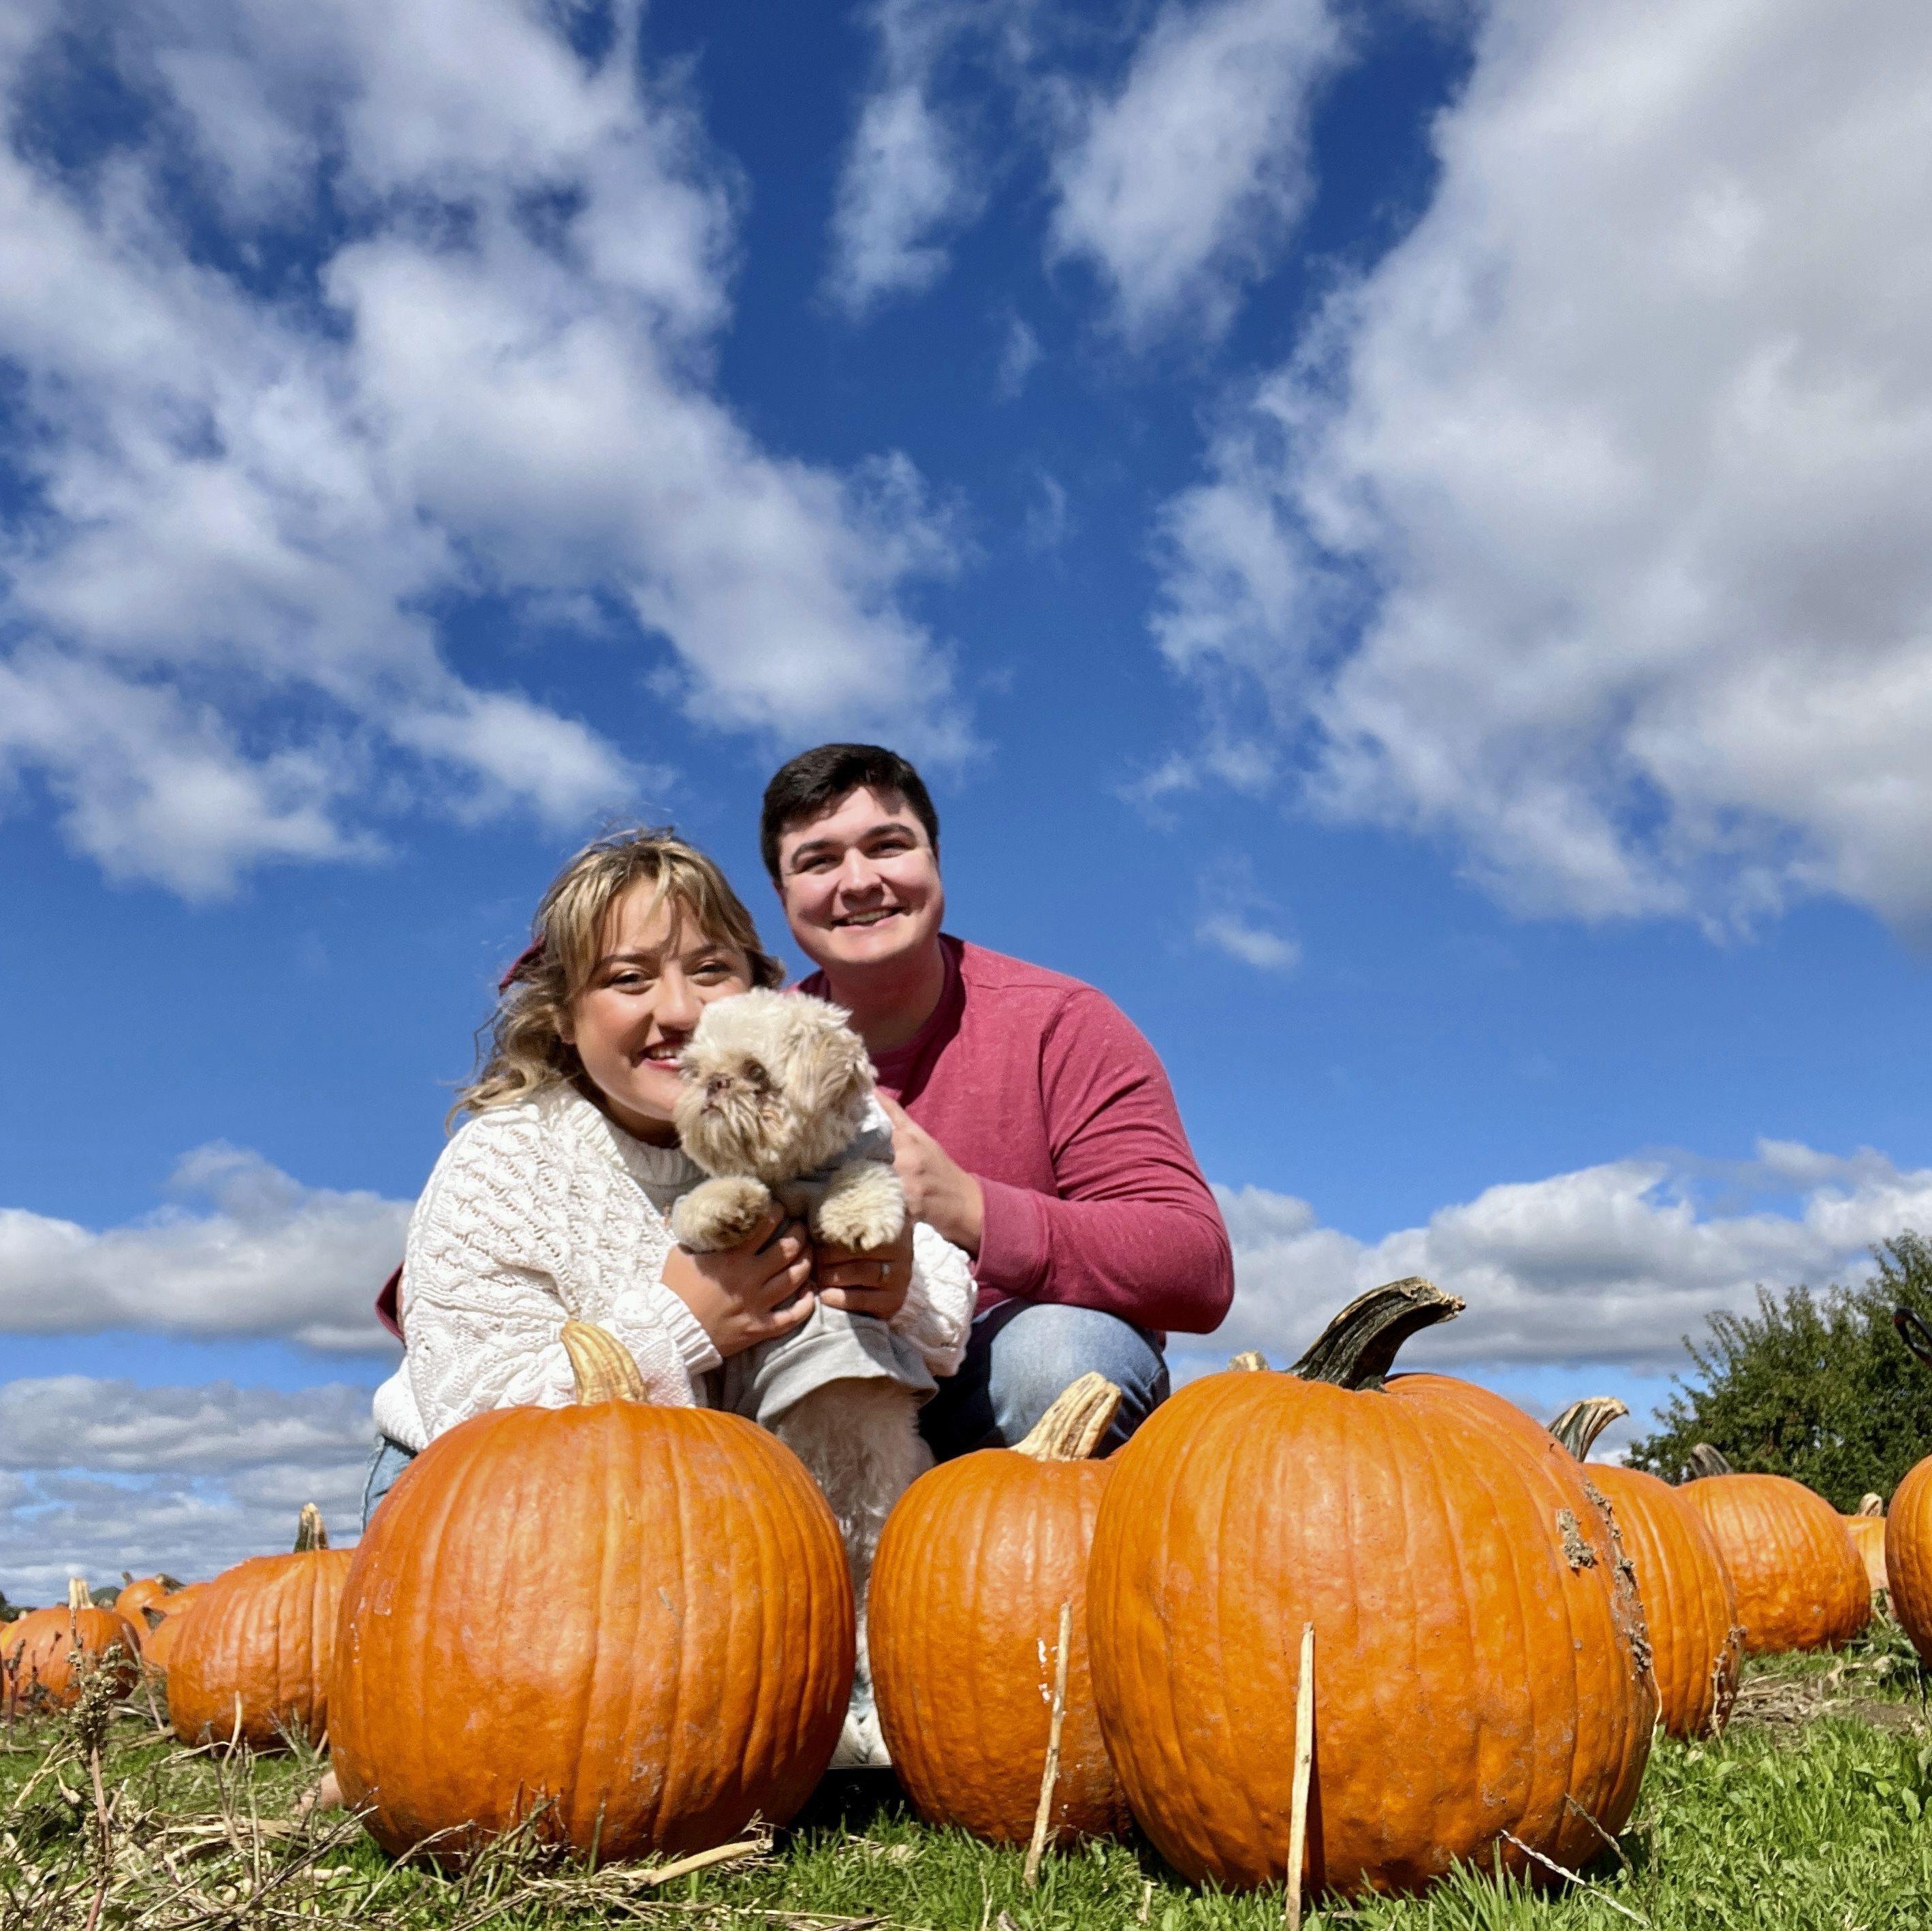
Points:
point(248, 1251)
point(100, 1476)
point(1613, 1264)
point(909, 178)
point(1019, 356)
point(1589, 531)
point(1182, 185)
point(1252, 945)
point(440, 324)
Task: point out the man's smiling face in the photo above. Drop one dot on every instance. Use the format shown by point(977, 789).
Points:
point(860, 884)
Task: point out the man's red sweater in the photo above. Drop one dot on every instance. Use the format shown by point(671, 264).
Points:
point(1043, 1088)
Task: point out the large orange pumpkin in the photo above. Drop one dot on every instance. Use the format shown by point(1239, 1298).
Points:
point(1908, 1555)
point(46, 1652)
point(1866, 1529)
point(635, 1622)
point(976, 1560)
point(1480, 1667)
point(1799, 1581)
point(252, 1665)
point(1690, 1606)
point(165, 1621)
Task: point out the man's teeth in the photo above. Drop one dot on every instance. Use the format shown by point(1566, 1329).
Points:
point(869, 918)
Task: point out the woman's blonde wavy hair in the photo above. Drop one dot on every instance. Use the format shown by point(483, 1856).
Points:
point(526, 1051)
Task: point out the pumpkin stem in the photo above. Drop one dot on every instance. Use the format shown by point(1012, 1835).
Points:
point(1914, 1334)
point(78, 1596)
point(1249, 1361)
point(605, 1369)
point(1071, 1429)
point(1359, 1346)
point(1704, 1460)
point(310, 1532)
point(1579, 1425)
point(1871, 1505)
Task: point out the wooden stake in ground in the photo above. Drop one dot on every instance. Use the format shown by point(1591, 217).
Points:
point(1051, 1776)
point(1304, 1762)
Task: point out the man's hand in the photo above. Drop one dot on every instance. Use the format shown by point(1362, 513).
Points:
point(872, 1280)
point(938, 1190)
point(742, 1295)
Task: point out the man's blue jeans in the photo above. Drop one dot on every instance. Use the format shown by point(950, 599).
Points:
point(1022, 1355)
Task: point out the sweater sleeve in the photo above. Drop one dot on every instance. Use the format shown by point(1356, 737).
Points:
point(489, 1283)
point(1134, 1230)
point(937, 1313)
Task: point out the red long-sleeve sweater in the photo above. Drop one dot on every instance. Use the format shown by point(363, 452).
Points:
point(1043, 1088)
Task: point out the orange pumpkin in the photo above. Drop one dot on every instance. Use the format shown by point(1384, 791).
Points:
point(252, 1665)
point(46, 1652)
point(976, 1560)
point(141, 1594)
point(1800, 1583)
point(164, 1621)
point(1481, 1666)
point(1690, 1604)
point(634, 1623)
point(1908, 1555)
point(1866, 1529)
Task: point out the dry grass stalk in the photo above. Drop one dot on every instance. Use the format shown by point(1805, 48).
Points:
point(1050, 1775)
point(1304, 1764)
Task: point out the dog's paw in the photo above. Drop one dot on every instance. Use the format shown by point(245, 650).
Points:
point(718, 1214)
point(864, 1207)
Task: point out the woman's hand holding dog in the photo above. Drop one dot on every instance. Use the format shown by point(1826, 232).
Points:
point(739, 1294)
point(872, 1280)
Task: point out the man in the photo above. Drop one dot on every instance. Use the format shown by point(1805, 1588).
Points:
point(1032, 1126)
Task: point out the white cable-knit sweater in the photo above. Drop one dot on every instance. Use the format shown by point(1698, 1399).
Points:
point(548, 1211)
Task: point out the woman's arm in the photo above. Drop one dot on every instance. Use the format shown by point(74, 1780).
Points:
point(937, 1315)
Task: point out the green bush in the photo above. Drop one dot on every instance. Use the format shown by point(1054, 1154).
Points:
point(1814, 1385)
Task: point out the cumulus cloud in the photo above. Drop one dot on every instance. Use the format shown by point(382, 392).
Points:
point(1588, 530)
point(1613, 1264)
point(1181, 185)
point(361, 313)
point(1237, 919)
point(244, 1250)
point(100, 1476)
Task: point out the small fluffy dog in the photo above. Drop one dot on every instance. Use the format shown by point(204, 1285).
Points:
point(778, 1104)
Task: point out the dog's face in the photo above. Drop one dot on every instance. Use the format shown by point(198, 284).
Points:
point(775, 1085)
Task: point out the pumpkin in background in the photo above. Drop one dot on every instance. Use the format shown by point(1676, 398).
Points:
point(1690, 1604)
point(1866, 1530)
point(977, 1556)
point(38, 1650)
point(252, 1665)
point(164, 1623)
point(1481, 1666)
point(635, 1622)
point(1799, 1581)
point(140, 1594)
point(1908, 1555)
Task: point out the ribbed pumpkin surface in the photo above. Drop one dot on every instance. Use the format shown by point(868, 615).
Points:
point(639, 1618)
point(1690, 1604)
point(253, 1662)
point(158, 1646)
point(1800, 1584)
point(1479, 1662)
point(38, 1647)
point(1908, 1555)
point(964, 1622)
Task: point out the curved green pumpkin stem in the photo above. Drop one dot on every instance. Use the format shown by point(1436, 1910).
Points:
point(1579, 1425)
point(1704, 1460)
point(310, 1535)
point(1359, 1346)
point(1914, 1334)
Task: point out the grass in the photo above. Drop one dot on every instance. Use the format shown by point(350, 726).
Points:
point(1811, 1813)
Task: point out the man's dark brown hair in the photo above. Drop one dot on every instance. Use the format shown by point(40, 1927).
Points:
point(815, 781)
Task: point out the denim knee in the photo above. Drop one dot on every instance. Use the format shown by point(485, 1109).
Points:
point(1037, 1353)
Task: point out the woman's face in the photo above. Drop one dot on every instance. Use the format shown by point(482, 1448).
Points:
point(655, 972)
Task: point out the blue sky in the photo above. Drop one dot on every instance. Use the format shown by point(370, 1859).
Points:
point(1399, 535)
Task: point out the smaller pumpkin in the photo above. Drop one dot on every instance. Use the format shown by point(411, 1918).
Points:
point(164, 1623)
point(976, 1560)
point(252, 1666)
point(1689, 1604)
point(48, 1653)
point(1801, 1585)
point(138, 1594)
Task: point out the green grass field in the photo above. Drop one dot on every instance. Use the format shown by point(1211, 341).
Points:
point(1811, 1813)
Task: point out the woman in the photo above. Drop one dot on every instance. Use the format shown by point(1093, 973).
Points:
point(552, 1201)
